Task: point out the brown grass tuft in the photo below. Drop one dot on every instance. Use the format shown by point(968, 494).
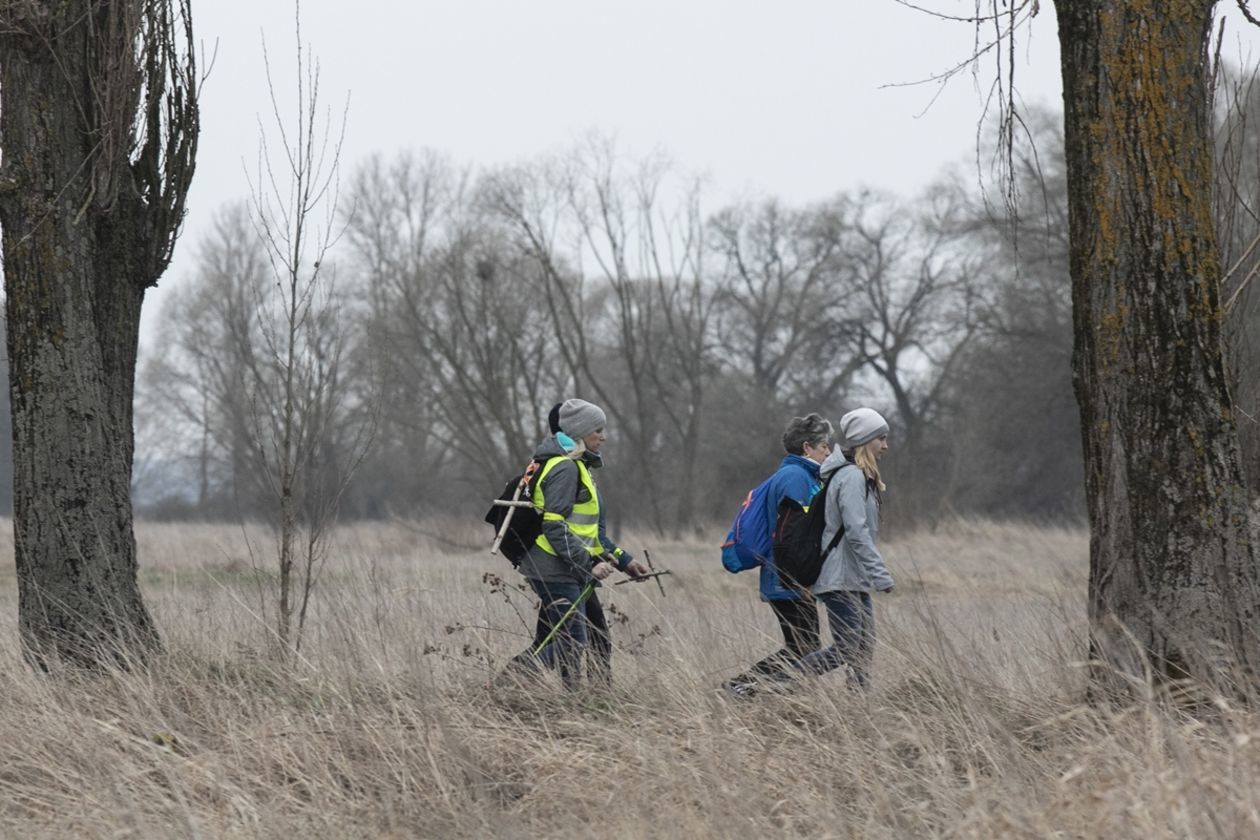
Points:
point(384, 728)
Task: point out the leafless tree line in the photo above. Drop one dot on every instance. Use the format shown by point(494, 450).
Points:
point(480, 299)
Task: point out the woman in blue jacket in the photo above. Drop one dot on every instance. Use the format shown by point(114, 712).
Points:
point(807, 441)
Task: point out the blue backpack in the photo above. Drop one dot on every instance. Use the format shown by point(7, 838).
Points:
point(752, 533)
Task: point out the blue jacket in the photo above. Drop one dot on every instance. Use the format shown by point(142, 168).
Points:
point(796, 478)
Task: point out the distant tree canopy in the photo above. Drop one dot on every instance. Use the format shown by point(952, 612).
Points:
point(481, 299)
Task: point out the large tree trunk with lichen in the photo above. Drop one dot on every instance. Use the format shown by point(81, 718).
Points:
point(1174, 588)
point(83, 237)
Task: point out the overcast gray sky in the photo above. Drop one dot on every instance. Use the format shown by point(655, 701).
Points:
point(790, 99)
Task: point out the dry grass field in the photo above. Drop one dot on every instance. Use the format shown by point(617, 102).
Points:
point(974, 727)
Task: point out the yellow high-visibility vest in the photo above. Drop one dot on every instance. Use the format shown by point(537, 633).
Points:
point(583, 521)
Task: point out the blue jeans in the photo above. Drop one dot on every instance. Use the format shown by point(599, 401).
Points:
point(851, 616)
point(564, 651)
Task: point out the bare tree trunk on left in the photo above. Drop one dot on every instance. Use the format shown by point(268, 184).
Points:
point(98, 126)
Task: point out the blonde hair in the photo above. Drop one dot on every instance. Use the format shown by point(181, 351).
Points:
point(864, 457)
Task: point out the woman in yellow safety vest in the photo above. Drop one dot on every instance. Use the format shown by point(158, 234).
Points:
point(569, 554)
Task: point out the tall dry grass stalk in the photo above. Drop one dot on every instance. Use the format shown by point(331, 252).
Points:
point(383, 728)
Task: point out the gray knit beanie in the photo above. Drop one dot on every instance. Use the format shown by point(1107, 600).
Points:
point(578, 418)
point(862, 425)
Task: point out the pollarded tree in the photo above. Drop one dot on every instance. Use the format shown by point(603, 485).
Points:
point(454, 322)
point(1013, 396)
point(99, 123)
point(783, 293)
point(1174, 587)
point(913, 305)
point(619, 247)
point(212, 340)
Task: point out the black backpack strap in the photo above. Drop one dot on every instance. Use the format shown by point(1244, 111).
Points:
point(839, 535)
point(835, 540)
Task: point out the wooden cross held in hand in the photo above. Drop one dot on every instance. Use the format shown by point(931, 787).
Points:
point(653, 575)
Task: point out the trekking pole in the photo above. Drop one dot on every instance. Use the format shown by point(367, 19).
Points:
point(513, 505)
point(586, 593)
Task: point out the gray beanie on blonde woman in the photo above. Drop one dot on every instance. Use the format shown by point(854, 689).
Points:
point(578, 418)
point(862, 425)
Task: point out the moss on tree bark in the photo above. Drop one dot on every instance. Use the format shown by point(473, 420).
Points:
point(1173, 583)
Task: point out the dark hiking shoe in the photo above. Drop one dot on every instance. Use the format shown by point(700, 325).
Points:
point(782, 682)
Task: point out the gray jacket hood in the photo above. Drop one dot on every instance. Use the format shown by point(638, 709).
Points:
point(834, 461)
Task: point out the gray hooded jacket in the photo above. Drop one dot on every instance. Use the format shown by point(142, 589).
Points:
point(855, 565)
